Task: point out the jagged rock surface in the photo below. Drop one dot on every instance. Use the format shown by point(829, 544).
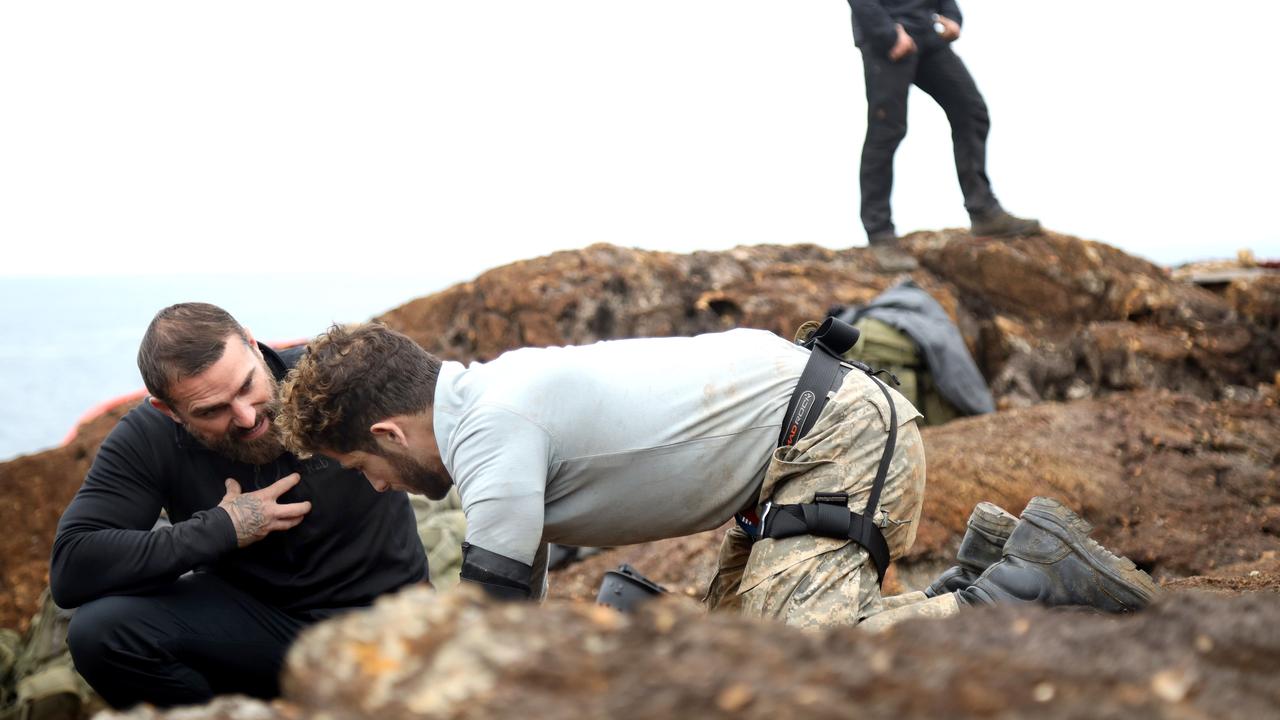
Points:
point(1180, 485)
point(420, 655)
point(1183, 482)
point(1049, 318)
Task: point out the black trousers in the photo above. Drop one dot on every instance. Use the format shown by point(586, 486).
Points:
point(184, 644)
point(938, 71)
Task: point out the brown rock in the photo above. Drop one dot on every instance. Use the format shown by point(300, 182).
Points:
point(458, 656)
point(1181, 486)
point(1049, 318)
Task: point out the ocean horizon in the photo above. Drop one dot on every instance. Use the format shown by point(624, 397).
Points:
point(70, 343)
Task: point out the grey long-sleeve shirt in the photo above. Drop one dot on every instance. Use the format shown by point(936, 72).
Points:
point(613, 443)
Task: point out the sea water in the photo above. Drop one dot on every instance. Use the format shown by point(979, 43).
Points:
point(70, 343)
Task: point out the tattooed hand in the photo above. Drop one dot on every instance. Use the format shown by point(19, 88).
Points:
point(256, 514)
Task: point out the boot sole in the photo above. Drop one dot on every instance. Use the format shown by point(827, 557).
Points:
point(1060, 521)
point(992, 519)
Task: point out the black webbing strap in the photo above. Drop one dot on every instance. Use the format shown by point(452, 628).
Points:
point(828, 515)
point(822, 374)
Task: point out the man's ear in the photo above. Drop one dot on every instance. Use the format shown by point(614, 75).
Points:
point(253, 344)
point(389, 431)
point(163, 407)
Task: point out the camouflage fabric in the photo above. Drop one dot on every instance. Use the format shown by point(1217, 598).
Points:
point(811, 581)
point(906, 598)
point(42, 683)
point(909, 606)
point(442, 527)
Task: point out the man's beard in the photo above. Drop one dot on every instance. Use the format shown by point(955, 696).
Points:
point(418, 477)
point(257, 451)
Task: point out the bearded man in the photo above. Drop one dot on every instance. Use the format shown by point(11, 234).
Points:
point(261, 543)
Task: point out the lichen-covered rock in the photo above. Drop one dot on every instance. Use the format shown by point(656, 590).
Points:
point(231, 707)
point(1050, 317)
point(456, 655)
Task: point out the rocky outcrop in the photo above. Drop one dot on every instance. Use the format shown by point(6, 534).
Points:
point(34, 489)
point(1050, 318)
point(1179, 485)
point(1148, 403)
point(421, 655)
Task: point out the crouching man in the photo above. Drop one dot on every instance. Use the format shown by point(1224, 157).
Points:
point(262, 543)
point(630, 441)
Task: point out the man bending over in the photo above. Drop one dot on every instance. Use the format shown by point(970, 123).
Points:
point(630, 441)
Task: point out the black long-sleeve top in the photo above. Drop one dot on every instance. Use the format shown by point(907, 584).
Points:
point(874, 20)
point(354, 545)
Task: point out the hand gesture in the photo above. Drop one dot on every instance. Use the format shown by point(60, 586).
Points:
point(950, 28)
point(256, 514)
point(903, 47)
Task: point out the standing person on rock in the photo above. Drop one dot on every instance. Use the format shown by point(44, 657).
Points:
point(262, 543)
point(906, 42)
point(629, 441)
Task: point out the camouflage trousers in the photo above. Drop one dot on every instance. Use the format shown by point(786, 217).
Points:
point(811, 581)
point(442, 527)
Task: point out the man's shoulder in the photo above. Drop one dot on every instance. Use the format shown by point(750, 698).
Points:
point(290, 356)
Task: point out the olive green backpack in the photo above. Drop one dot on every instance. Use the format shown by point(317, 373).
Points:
point(884, 347)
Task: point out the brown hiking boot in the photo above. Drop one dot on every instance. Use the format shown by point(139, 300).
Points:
point(999, 223)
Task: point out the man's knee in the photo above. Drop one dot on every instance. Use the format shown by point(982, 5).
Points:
point(98, 630)
point(886, 128)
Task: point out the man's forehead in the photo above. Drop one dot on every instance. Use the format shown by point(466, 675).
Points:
point(223, 378)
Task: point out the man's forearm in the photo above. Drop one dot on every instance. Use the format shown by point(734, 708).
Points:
point(89, 563)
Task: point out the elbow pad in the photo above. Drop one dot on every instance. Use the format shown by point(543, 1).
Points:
point(500, 576)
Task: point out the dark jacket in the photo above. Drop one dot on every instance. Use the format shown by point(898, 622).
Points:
point(354, 545)
point(874, 20)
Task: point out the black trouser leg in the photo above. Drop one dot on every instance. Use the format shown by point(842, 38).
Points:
point(182, 645)
point(887, 85)
point(944, 77)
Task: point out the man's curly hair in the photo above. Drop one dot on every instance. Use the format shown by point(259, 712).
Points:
point(348, 379)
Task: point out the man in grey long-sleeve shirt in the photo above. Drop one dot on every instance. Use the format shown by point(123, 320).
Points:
point(907, 42)
point(633, 440)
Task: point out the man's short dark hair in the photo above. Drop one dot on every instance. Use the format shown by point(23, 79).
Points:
point(184, 340)
point(349, 379)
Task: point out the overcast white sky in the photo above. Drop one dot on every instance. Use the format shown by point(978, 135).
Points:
point(443, 138)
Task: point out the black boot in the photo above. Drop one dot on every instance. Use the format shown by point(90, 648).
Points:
point(1049, 559)
point(988, 529)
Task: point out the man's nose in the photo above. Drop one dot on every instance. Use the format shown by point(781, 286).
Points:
point(243, 414)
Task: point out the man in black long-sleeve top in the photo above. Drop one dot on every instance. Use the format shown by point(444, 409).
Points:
point(905, 42)
point(262, 543)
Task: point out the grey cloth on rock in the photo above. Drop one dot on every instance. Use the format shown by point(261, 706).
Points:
point(913, 311)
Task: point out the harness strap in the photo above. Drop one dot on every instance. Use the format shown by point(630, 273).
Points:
point(828, 515)
point(822, 374)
